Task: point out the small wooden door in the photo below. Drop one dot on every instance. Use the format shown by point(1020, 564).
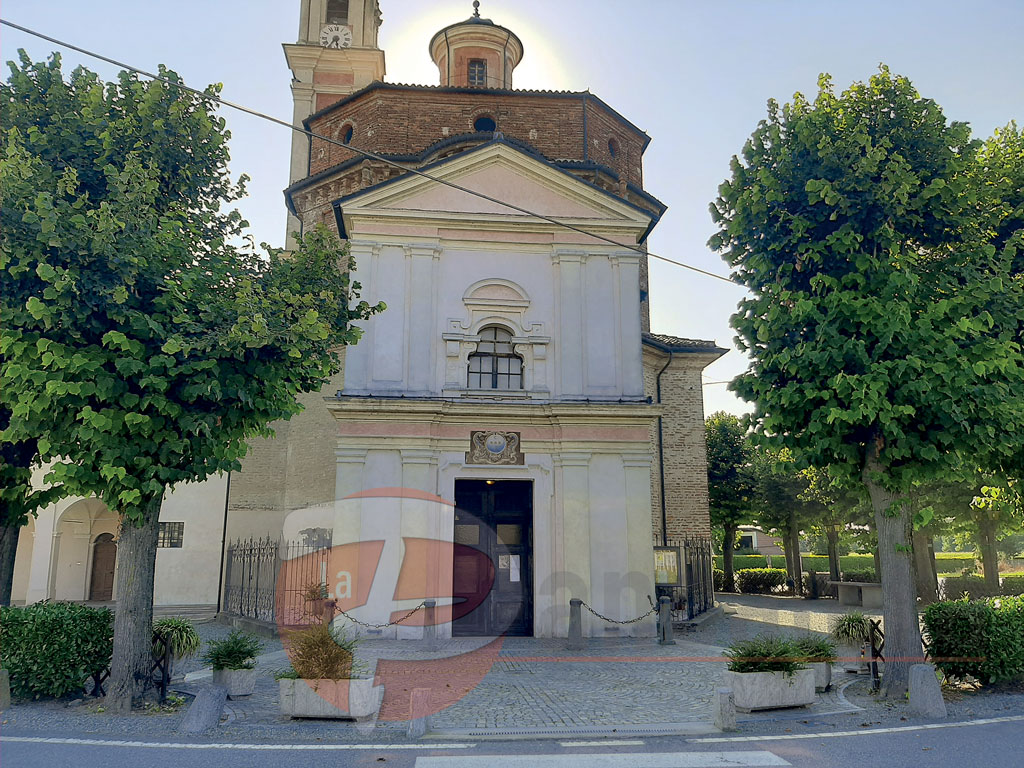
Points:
point(104, 555)
point(492, 568)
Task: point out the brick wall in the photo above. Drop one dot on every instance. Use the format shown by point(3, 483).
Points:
point(407, 121)
point(295, 468)
point(686, 470)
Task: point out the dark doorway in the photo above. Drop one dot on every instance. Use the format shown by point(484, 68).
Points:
point(493, 567)
point(104, 555)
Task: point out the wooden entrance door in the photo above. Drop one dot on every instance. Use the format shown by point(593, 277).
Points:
point(492, 562)
point(104, 555)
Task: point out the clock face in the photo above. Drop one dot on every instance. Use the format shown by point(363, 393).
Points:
point(335, 36)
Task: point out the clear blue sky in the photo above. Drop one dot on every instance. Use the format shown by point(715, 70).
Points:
point(694, 75)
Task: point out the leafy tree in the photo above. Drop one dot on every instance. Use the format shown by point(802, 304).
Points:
point(780, 504)
point(729, 482)
point(882, 322)
point(837, 507)
point(18, 499)
point(141, 347)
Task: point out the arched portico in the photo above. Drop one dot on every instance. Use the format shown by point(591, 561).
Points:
point(79, 528)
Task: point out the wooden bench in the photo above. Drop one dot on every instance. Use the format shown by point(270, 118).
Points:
point(863, 593)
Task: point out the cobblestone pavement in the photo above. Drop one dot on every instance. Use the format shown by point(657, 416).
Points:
point(527, 684)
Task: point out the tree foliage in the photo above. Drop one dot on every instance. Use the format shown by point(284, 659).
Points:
point(883, 322)
point(143, 340)
point(729, 481)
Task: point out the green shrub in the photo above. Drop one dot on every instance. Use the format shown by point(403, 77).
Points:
point(1013, 584)
point(765, 653)
point(718, 577)
point(956, 561)
point(815, 649)
point(236, 651)
point(978, 639)
point(51, 649)
point(865, 575)
point(180, 633)
point(973, 586)
point(760, 581)
point(742, 561)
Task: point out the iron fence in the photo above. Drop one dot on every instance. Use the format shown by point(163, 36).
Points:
point(696, 595)
point(258, 586)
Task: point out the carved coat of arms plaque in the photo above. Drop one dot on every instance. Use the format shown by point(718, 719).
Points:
point(494, 447)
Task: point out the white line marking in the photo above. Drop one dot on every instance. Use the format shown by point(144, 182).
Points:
point(864, 732)
point(174, 745)
point(603, 743)
point(609, 760)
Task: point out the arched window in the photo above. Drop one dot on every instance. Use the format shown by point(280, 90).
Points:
point(346, 135)
point(495, 365)
point(613, 147)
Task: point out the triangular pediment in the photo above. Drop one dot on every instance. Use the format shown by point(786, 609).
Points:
point(501, 172)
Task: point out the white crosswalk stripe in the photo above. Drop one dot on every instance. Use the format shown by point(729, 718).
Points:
point(608, 760)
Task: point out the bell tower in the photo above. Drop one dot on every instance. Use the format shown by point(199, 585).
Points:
point(335, 55)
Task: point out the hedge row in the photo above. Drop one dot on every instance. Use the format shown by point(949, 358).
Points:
point(760, 581)
point(52, 648)
point(978, 639)
point(975, 587)
point(947, 562)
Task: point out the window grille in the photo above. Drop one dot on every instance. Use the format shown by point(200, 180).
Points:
point(171, 535)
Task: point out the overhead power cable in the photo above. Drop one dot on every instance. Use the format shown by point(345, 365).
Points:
point(365, 153)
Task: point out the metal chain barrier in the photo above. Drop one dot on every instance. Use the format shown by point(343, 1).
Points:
point(654, 609)
point(354, 620)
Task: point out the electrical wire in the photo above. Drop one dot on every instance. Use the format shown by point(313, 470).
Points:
point(365, 153)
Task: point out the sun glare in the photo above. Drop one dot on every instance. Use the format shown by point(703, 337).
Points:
point(405, 42)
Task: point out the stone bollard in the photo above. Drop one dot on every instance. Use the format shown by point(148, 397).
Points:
point(430, 625)
point(419, 712)
point(665, 621)
point(575, 625)
point(205, 711)
point(925, 692)
point(724, 705)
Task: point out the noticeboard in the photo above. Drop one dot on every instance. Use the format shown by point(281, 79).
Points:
point(667, 570)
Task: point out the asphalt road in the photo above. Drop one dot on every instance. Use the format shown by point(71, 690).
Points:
point(980, 746)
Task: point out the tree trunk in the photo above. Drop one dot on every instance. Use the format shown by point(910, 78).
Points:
point(899, 606)
point(924, 570)
point(793, 544)
point(728, 545)
point(832, 536)
point(987, 532)
point(133, 620)
point(9, 535)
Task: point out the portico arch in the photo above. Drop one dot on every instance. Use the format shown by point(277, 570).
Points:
point(77, 530)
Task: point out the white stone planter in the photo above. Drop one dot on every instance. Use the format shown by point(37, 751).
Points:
point(239, 682)
point(771, 690)
point(822, 675)
point(351, 699)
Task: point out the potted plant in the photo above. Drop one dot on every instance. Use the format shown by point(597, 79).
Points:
point(818, 653)
point(765, 673)
point(233, 659)
point(853, 632)
point(322, 681)
point(180, 636)
point(317, 596)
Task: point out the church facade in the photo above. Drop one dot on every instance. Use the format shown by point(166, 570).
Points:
point(509, 432)
point(513, 378)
